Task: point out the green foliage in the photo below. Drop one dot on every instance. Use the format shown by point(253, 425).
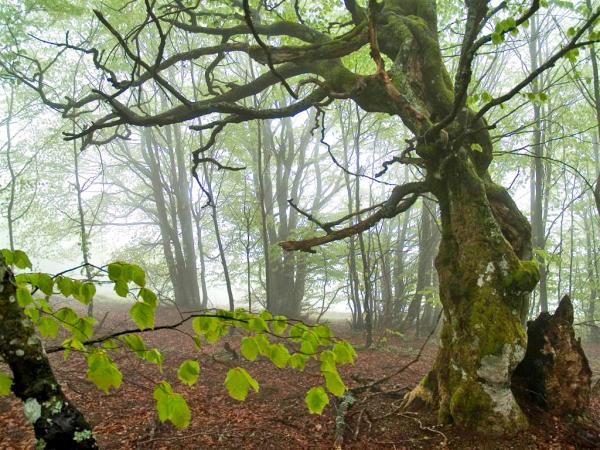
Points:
point(171, 406)
point(47, 326)
point(280, 355)
point(5, 384)
point(535, 97)
point(24, 297)
point(263, 338)
point(238, 382)
point(249, 348)
point(17, 258)
point(143, 315)
point(316, 400)
point(188, 372)
point(103, 372)
point(344, 352)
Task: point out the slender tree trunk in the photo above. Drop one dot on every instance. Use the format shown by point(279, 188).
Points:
point(13, 179)
point(424, 268)
point(201, 256)
point(367, 288)
point(537, 222)
point(263, 216)
point(399, 266)
point(83, 231)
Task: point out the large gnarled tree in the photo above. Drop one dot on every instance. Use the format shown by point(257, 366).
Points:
point(484, 260)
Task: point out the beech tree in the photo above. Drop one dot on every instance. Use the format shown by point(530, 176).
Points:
point(484, 261)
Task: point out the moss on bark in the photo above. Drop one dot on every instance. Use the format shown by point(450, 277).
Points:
point(483, 288)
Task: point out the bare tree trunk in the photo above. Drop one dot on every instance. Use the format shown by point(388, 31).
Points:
point(537, 219)
point(424, 268)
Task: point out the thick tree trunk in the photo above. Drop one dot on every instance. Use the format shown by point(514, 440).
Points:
point(57, 423)
point(484, 288)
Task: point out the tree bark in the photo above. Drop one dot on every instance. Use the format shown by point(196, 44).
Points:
point(555, 373)
point(57, 423)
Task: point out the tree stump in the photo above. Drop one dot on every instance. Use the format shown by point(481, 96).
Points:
point(555, 373)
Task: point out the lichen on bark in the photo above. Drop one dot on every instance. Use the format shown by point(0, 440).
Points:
point(55, 419)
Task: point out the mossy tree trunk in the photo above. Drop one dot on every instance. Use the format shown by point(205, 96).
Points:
point(484, 288)
point(57, 423)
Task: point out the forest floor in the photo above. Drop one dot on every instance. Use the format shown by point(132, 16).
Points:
point(276, 416)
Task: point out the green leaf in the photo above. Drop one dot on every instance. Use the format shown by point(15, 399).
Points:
point(115, 272)
point(143, 315)
point(21, 260)
point(24, 297)
point(328, 361)
point(265, 315)
point(258, 324)
point(111, 344)
point(65, 285)
point(72, 344)
point(334, 383)
point(45, 283)
point(310, 343)
point(264, 346)
point(238, 382)
point(32, 312)
point(138, 276)
point(153, 356)
point(121, 288)
point(297, 330)
point(344, 352)
point(8, 256)
point(212, 328)
point(249, 348)
point(86, 293)
point(203, 325)
point(323, 333)
point(5, 384)
point(171, 406)
point(279, 355)
point(298, 361)
point(486, 97)
point(188, 372)
point(103, 372)
point(67, 316)
point(135, 343)
point(476, 147)
point(84, 328)
point(316, 400)
point(497, 38)
point(47, 326)
point(148, 297)
point(279, 324)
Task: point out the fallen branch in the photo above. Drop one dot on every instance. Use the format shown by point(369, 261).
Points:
point(340, 419)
